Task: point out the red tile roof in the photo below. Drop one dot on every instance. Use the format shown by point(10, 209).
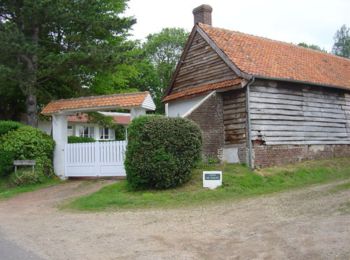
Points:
point(84, 118)
point(96, 102)
point(203, 88)
point(274, 59)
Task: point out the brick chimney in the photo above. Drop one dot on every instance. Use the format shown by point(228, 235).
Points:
point(202, 14)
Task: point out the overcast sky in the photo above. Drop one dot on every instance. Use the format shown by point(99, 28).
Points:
point(310, 21)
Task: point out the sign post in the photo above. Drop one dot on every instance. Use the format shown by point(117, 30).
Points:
point(212, 179)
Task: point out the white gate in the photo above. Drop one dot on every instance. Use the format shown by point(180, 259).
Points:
point(95, 159)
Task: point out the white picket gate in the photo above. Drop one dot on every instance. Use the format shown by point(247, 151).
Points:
point(95, 159)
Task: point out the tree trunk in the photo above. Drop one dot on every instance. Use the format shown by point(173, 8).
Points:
point(31, 107)
point(30, 87)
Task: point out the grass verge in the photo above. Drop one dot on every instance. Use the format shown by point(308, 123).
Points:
point(238, 182)
point(8, 191)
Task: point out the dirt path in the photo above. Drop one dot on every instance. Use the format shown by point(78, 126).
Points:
point(312, 223)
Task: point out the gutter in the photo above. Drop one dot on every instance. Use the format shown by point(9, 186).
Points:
point(249, 137)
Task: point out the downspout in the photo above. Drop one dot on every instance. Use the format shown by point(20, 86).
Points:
point(249, 138)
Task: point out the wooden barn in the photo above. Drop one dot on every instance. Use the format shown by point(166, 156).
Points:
point(260, 101)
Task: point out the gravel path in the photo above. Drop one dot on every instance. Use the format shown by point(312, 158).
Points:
point(310, 223)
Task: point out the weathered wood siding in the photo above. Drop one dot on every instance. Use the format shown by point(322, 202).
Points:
point(234, 109)
point(201, 65)
point(293, 114)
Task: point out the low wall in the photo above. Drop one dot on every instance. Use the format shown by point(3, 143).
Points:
point(271, 155)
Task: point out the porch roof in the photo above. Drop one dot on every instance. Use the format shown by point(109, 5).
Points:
point(98, 103)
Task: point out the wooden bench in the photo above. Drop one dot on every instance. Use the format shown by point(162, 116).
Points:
point(17, 163)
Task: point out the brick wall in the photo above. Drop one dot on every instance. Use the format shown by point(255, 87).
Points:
point(270, 155)
point(209, 117)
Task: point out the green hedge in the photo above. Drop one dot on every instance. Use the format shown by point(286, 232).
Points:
point(28, 143)
point(7, 126)
point(161, 151)
point(79, 139)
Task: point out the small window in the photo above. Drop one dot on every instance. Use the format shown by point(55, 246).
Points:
point(69, 130)
point(104, 133)
point(86, 131)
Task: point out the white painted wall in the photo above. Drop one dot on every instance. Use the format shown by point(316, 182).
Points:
point(137, 111)
point(45, 126)
point(148, 103)
point(180, 107)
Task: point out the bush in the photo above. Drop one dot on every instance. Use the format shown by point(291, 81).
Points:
point(25, 177)
point(79, 139)
point(7, 126)
point(161, 151)
point(28, 143)
point(6, 162)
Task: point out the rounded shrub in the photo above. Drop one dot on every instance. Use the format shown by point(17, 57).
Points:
point(7, 126)
point(161, 151)
point(28, 143)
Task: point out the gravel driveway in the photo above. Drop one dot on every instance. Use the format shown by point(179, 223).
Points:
point(310, 223)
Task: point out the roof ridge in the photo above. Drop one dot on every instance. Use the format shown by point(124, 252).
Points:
point(277, 41)
point(101, 96)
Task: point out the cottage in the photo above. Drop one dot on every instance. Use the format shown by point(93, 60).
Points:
point(260, 101)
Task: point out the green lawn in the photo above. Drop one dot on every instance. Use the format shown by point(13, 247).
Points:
point(238, 182)
point(7, 190)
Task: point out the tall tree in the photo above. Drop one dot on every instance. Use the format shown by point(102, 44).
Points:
point(341, 45)
point(56, 47)
point(163, 50)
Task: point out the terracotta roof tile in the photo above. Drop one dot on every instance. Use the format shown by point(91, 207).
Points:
point(274, 59)
point(98, 102)
point(203, 88)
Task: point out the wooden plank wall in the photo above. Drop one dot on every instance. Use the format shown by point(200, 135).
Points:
point(201, 65)
point(234, 108)
point(287, 114)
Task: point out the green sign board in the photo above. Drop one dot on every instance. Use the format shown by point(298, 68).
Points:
point(212, 176)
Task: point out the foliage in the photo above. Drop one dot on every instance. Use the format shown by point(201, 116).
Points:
point(80, 139)
point(161, 151)
point(24, 177)
point(311, 46)
point(119, 132)
point(164, 50)
point(238, 182)
point(108, 122)
point(6, 162)
point(134, 74)
point(53, 49)
point(101, 119)
point(28, 143)
point(7, 126)
point(341, 45)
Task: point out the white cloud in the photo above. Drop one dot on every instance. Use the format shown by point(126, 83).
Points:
point(310, 21)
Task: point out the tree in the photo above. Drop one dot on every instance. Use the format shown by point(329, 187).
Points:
point(134, 73)
point(341, 45)
point(147, 66)
point(311, 46)
point(54, 48)
point(163, 50)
